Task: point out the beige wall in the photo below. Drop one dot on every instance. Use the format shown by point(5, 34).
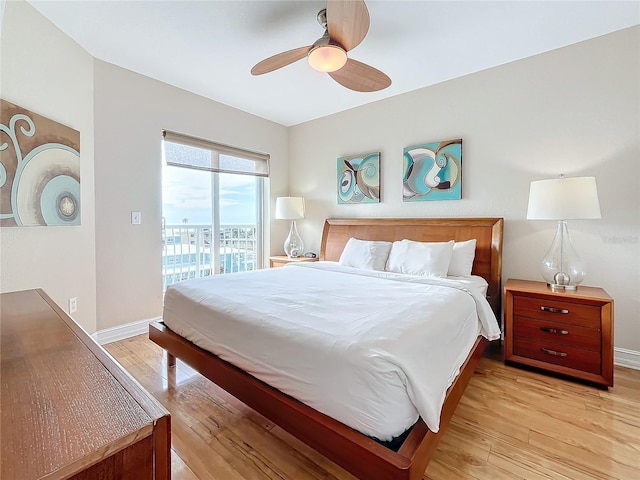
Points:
point(116, 274)
point(130, 113)
point(573, 111)
point(44, 71)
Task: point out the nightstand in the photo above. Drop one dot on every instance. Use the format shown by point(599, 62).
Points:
point(281, 260)
point(565, 332)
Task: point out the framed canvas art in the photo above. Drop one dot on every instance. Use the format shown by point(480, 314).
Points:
point(39, 170)
point(359, 178)
point(432, 171)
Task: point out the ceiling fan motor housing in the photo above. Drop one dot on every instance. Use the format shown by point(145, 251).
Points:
point(322, 18)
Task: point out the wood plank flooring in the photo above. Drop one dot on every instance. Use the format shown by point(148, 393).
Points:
point(510, 424)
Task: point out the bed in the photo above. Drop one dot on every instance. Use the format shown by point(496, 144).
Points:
point(347, 446)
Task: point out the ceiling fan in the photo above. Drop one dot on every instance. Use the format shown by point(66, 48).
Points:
point(345, 23)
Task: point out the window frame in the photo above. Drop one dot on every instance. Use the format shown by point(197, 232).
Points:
point(260, 161)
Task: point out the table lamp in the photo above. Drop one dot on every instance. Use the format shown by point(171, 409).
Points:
point(291, 208)
point(562, 199)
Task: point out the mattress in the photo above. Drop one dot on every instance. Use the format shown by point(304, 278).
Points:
point(373, 350)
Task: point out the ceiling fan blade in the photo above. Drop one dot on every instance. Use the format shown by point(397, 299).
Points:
point(280, 60)
point(360, 77)
point(347, 22)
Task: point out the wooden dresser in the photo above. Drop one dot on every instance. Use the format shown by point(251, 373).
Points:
point(69, 411)
point(566, 332)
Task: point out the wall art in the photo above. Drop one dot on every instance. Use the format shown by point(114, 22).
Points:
point(359, 178)
point(432, 171)
point(39, 170)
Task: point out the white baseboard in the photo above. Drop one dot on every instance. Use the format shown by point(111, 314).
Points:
point(626, 358)
point(121, 332)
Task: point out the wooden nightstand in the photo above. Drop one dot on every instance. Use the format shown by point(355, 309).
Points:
point(566, 332)
point(281, 260)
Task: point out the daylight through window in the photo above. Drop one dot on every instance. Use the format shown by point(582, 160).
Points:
point(211, 207)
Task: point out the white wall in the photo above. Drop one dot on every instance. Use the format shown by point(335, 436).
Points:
point(574, 111)
point(130, 113)
point(44, 71)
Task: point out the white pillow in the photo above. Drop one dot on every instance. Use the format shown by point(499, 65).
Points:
point(429, 259)
point(368, 255)
point(462, 258)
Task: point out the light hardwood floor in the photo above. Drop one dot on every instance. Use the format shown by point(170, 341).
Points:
point(510, 424)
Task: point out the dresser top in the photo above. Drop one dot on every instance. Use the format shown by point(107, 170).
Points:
point(66, 404)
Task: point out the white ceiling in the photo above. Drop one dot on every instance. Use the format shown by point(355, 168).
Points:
point(208, 47)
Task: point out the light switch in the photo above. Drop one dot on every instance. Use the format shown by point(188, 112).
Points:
point(136, 218)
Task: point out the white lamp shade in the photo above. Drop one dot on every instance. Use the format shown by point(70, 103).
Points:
point(289, 208)
point(570, 198)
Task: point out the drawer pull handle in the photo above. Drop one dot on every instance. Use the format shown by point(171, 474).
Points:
point(554, 310)
point(554, 352)
point(554, 330)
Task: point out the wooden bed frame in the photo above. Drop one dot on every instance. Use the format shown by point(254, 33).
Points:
point(353, 451)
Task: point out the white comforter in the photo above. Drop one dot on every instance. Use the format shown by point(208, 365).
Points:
point(371, 349)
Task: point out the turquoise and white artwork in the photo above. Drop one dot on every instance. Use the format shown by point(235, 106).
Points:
point(39, 170)
point(432, 171)
point(359, 178)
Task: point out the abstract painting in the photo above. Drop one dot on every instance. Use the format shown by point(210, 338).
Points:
point(432, 171)
point(39, 170)
point(359, 178)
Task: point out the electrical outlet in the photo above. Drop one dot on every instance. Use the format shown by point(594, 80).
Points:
point(73, 305)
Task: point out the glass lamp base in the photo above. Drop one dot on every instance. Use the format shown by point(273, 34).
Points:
point(562, 268)
point(293, 245)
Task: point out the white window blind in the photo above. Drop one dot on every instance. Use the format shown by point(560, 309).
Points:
point(211, 156)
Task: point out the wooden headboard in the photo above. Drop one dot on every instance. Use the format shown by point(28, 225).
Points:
point(486, 231)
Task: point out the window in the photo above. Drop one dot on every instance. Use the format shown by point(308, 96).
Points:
point(212, 208)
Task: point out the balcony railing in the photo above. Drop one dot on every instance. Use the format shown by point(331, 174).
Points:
point(187, 251)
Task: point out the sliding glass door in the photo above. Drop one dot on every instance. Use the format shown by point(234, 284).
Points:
point(211, 218)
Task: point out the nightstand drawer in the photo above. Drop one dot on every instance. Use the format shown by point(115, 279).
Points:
point(557, 333)
point(576, 358)
point(557, 311)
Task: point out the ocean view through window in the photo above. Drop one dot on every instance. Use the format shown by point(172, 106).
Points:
point(211, 218)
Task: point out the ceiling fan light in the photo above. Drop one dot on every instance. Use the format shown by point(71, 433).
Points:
point(327, 58)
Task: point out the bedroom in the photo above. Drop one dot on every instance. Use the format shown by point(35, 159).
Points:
point(532, 115)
